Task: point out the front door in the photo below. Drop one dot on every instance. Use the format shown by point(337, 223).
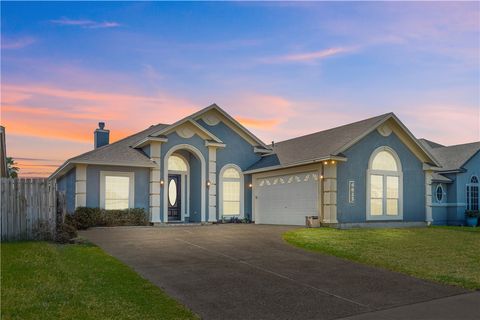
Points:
point(174, 197)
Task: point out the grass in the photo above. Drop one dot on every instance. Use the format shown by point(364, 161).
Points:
point(41, 280)
point(449, 255)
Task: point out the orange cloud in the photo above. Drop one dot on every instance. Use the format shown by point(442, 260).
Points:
point(258, 123)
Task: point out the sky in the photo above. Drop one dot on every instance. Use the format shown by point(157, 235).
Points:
point(283, 69)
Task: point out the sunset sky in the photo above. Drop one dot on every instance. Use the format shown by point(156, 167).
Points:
point(281, 69)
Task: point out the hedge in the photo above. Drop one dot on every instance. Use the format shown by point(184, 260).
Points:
point(84, 218)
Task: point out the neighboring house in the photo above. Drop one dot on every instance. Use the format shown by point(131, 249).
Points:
point(208, 167)
point(455, 187)
point(3, 154)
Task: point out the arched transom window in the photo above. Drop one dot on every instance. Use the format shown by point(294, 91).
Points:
point(175, 163)
point(384, 182)
point(473, 201)
point(231, 192)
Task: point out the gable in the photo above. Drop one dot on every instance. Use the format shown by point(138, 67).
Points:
point(213, 115)
point(187, 128)
point(391, 125)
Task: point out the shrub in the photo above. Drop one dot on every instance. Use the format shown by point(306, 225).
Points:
point(84, 218)
point(65, 233)
point(472, 213)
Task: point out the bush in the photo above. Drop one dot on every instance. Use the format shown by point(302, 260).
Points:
point(472, 213)
point(65, 233)
point(84, 218)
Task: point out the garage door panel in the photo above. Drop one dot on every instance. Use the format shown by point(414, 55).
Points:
point(286, 199)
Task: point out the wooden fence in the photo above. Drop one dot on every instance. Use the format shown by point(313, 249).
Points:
point(29, 209)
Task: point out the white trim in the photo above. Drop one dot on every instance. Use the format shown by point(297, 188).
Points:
point(148, 140)
point(436, 193)
point(236, 125)
point(387, 117)
point(203, 181)
point(296, 164)
point(385, 174)
point(131, 186)
point(214, 144)
point(184, 187)
point(242, 191)
point(189, 120)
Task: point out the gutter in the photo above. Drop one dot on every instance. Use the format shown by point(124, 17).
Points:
point(296, 164)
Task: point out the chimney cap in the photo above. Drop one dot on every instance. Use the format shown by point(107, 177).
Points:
point(101, 125)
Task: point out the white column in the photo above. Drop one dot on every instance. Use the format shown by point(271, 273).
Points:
point(81, 185)
point(428, 197)
point(155, 177)
point(330, 192)
point(212, 177)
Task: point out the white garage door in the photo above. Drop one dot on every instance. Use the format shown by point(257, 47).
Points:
point(286, 199)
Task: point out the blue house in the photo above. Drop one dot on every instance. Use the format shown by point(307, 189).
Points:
point(208, 167)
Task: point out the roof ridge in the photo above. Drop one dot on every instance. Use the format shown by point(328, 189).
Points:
point(343, 125)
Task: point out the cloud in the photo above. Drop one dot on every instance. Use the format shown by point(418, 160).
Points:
point(17, 43)
point(309, 56)
point(87, 24)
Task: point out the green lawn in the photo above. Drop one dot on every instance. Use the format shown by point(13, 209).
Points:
point(447, 255)
point(42, 280)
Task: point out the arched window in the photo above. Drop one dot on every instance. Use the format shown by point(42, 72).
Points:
point(472, 194)
point(175, 163)
point(231, 187)
point(384, 183)
point(439, 193)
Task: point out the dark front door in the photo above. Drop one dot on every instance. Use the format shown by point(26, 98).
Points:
point(174, 197)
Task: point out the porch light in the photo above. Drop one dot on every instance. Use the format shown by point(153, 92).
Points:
point(325, 162)
point(208, 183)
point(333, 162)
point(250, 185)
point(321, 177)
point(162, 183)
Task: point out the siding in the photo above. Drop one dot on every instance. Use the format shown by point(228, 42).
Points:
point(356, 168)
point(142, 188)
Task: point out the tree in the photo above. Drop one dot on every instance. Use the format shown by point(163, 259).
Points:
point(12, 168)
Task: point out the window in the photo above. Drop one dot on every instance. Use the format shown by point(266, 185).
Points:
point(175, 163)
point(439, 193)
point(116, 190)
point(231, 192)
point(472, 194)
point(384, 181)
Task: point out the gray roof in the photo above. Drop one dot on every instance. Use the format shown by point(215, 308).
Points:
point(452, 157)
point(317, 145)
point(121, 151)
point(116, 153)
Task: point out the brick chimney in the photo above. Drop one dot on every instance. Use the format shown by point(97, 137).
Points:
point(101, 136)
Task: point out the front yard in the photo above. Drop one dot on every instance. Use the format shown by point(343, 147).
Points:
point(450, 255)
point(41, 280)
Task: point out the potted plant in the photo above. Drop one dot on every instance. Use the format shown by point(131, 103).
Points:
point(472, 217)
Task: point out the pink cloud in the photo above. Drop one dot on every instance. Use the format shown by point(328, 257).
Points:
point(309, 56)
point(17, 43)
point(85, 23)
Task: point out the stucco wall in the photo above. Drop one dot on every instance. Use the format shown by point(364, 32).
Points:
point(237, 151)
point(356, 169)
point(142, 188)
point(66, 183)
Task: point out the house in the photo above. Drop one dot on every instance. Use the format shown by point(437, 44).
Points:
point(455, 187)
point(208, 167)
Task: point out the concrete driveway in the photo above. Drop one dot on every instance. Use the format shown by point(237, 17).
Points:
point(249, 272)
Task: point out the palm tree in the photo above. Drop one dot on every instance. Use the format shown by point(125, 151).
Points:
point(12, 168)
